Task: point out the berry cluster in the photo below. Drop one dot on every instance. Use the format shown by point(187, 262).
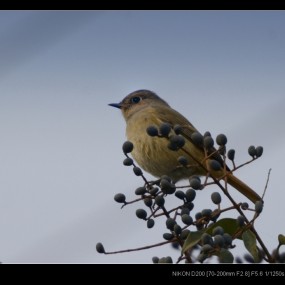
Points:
point(203, 231)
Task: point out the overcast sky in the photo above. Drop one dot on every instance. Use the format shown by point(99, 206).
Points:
point(60, 154)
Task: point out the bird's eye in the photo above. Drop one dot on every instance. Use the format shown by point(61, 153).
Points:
point(136, 100)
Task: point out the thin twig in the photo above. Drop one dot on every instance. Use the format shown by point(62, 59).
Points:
point(268, 175)
point(139, 248)
point(170, 211)
point(153, 213)
point(248, 162)
point(131, 202)
point(180, 258)
point(143, 177)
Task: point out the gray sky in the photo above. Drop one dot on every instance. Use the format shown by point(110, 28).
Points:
point(60, 155)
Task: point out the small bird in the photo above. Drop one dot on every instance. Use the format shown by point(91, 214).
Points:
point(144, 108)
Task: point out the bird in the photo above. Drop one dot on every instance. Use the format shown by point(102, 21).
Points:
point(144, 108)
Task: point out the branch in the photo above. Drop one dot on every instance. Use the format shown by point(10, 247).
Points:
point(139, 248)
point(268, 175)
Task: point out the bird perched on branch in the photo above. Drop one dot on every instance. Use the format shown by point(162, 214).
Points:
point(143, 109)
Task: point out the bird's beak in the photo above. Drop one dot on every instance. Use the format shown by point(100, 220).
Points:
point(116, 105)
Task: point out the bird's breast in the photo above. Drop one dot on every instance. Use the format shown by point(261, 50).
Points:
point(152, 153)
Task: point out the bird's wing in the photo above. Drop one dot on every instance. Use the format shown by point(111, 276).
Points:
point(187, 129)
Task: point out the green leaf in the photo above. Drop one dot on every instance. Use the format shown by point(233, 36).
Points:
point(281, 239)
point(249, 240)
point(225, 256)
point(192, 239)
point(229, 225)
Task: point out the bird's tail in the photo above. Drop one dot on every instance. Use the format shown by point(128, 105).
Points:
point(243, 188)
